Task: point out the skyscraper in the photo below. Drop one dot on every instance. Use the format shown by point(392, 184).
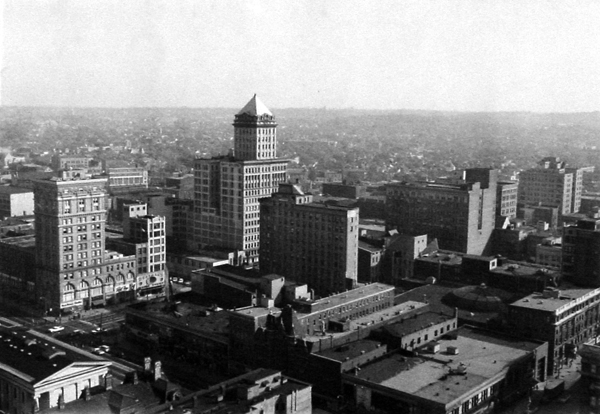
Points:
point(309, 242)
point(73, 268)
point(460, 214)
point(70, 216)
point(227, 189)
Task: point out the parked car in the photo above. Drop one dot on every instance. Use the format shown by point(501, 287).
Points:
point(56, 329)
point(98, 351)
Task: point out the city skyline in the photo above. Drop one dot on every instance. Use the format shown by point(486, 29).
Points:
point(461, 56)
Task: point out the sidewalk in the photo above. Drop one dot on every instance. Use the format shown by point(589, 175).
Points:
point(577, 401)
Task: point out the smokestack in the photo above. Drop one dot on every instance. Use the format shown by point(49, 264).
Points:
point(157, 370)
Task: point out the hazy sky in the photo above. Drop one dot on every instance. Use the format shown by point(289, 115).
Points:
point(447, 55)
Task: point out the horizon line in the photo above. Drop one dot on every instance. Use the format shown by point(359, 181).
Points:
point(322, 108)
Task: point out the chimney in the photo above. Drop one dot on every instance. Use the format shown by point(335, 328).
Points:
point(108, 381)
point(157, 370)
point(134, 377)
point(147, 364)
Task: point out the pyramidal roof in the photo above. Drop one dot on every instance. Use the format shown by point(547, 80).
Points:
point(255, 107)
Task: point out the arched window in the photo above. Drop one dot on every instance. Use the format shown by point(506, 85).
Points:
point(96, 287)
point(130, 277)
point(120, 279)
point(84, 289)
point(68, 293)
point(110, 284)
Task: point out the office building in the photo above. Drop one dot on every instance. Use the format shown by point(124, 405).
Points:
point(227, 189)
point(551, 183)
point(506, 199)
point(309, 242)
point(460, 214)
point(581, 253)
point(70, 219)
point(74, 269)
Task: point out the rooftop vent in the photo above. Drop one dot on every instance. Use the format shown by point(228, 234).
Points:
point(551, 293)
point(452, 350)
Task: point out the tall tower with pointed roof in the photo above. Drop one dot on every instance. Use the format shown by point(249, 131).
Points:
point(255, 132)
point(227, 189)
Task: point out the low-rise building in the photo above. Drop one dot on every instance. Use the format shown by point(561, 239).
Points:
point(15, 201)
point(35, 375)
point(66, 162)
point(195, 333)
point(260, 391)
point(470, 371)
point(549, 254)
point(123, 177)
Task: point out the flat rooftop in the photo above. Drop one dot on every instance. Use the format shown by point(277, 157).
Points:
point(417, 323)
point(370, 320)
point(351, 350)
point(368, 247)
point(435, 295)
point(231, 404)
point(539, 302)
point(188, 316)
point(482, 354)
point(445, 257)
point(433, 185)
point(348, 296)
point(529, 270)
point(6, 189)
point(25, 242)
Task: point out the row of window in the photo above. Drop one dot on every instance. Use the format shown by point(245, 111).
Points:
point(82, 219)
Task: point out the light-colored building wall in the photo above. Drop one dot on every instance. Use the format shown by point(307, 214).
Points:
point(227, 189)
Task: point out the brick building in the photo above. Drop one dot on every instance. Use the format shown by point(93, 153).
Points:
point(309, 242)
point(470, 371)
point(460, 215)
point(581, 253)
point(563, 318)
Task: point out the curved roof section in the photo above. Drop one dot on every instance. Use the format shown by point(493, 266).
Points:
point(479, 298)
point(255, 107)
